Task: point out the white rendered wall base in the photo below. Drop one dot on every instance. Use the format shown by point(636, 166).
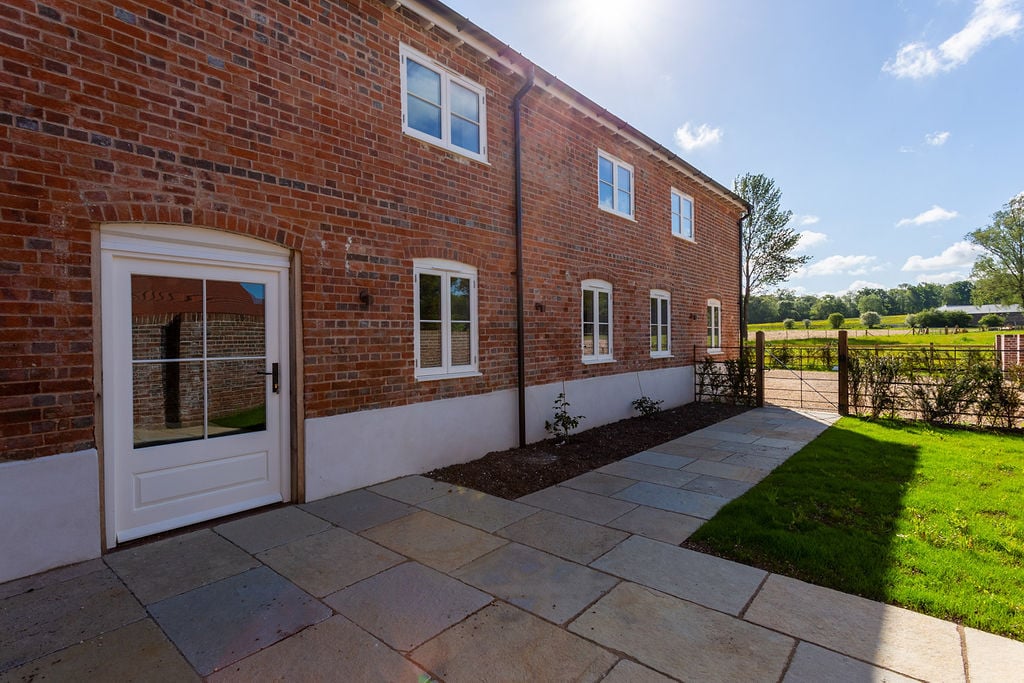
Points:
point(51, 512)
point(348, 451)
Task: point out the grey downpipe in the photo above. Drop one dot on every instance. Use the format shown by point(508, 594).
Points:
point(743, 310)
point(520, 286)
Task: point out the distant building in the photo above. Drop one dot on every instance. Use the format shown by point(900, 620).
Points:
point(1012, 313)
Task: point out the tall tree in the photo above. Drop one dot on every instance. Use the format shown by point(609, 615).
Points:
point(766, 243)
point(1000, 268)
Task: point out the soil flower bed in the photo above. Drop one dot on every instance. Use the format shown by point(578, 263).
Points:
point(518, 471)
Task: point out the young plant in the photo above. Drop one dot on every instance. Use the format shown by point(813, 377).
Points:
point(646, 406)
point(564, 422)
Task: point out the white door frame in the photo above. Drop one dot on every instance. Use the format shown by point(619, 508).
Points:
point(165, 245)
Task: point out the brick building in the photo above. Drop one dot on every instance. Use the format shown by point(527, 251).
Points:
point(265, 251)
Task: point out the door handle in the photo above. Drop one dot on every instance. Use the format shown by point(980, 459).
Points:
point(275, 377)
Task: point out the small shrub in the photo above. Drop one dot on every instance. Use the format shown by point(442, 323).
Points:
point(911, 322)
point(646, 406)
point(870, 319)
point(789, 323)
point(881, 377)
point(563, 422)
point(807, 323)
point(992, 321)
point(836, 320)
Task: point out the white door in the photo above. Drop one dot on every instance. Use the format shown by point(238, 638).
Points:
point(195, 380)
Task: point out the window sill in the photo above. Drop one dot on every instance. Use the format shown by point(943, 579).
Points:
point(714, 352)
point(662, 355)
point(627, 216)
point(684, 238)
point(442, 145)
point(451, 375)
point(597, 361)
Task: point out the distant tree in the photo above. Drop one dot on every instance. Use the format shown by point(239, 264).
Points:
point(807, 323)
point(763, 309)
point(959, 319)
point(870, 302)
point(911, 321)
point(932, 318)
point(827, 304)
point(789, 323)
point(1002, 261)
point(836, 320)
point(957, 293)
point(992, 321)
point(766, 242)
point(870, 319)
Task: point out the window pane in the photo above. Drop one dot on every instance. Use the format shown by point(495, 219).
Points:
point(465, 134)
point(430, 345)
point(604, 340)
point(664, 311)
point(624, 203)
point(167, 317)
point(676, 227)
point(675, 202)
point(687, 209)
point(424, 117)
point(460, 299)
point(167, 402)
point(423, 82)
point(237, 396)
point(235, 319)
point(588, 339)
point(605, 171)
point(430, 297)
point(654, 311)
point(588, 306)
point(654, 337)
point(462, 351)
point(602, 307)
point(465, 102)
point(624, 176)
point(606, 195)
point(664, 338)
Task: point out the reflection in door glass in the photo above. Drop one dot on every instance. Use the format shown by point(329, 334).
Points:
point(235, 319)
point(167, 317)
point(168, 402)
point(237, 397)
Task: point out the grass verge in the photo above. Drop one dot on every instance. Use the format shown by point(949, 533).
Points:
point(913, 515)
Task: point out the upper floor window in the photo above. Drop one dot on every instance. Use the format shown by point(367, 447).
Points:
point(660, 323)
point(614, 185)
point(446, 318)
point(597, 321)
point(441, 107)
point(714, 325)
point(682, 215)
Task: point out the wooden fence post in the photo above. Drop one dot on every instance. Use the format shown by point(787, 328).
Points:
point(759, 373)
point(844, 374)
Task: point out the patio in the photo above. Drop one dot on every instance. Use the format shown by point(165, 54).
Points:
point(413, 577)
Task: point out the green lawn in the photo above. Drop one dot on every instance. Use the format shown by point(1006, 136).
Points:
point(969, 338)
point(924, 517)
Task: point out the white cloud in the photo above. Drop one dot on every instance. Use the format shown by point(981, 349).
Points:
point(937, 139)
point(942, 278)
point(990, 20)
point(858, 285)
point(809, 238)
point(932, 215)
point(837, 265)
point(807, 219)
point(690, 138)
point(959, 255)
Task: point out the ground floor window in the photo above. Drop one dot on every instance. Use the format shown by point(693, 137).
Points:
point(714, 325)
point(660, 323)
point(597, 321)
point(446, 319)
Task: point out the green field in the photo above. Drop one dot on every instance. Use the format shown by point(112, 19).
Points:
point(924, 517)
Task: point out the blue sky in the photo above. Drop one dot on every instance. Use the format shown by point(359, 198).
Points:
point(892, 127)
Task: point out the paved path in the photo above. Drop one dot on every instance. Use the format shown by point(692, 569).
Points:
point(583, 581)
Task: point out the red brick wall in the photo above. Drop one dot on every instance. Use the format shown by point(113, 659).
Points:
point(282, 122)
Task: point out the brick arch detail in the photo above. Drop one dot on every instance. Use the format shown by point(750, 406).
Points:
point(439, 250)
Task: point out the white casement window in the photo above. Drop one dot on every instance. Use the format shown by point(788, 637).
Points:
point(614, 185)
point(661, 324)
point(714, 325)
point(441, 107)
point(597, 321)
point(682, 215)
point(446, 319)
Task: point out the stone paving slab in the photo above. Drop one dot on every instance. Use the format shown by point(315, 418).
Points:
point(327, 562)
point(543, 584)
point(47, 618)
point(407, 605)
point(480, 510)
point(726, 471)
point(333, 650)
point(358, 510)
point(725, 432)
point(813, 664)
point(268, 529)
point(673, 462)
point(596, 482)
point(412, 490)
point(672, 499)
point(579, 504)
point(567, 537)
point(992, 658)
point(681, 639)
point(220, 623)
point(502, 643)
point(136, 652)
point(704, 579)
point(715, 486)
point(661, 525)
point(627, 671)
point(435, 541)
point(687, 447)
point(156, 571)
point(757, 462)
point(51, 578)
point(650, 473)
point(890, 637)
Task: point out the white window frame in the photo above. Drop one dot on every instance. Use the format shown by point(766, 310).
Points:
point(594, 288)
point(714, 330)
point(447, 78)
point(616, 165)
point(446, 270)
point(661, 295)
point(686, 231)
